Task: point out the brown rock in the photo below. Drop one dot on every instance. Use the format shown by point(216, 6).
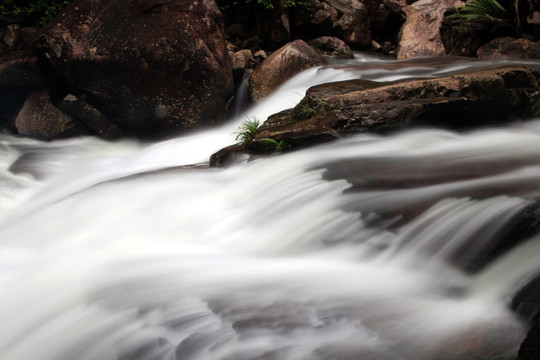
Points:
point(332, 46)
point(40, 119)
point(132, 59)
point(90, 116)
point(458, 101)
point(420, 35)
point(241, 59)
point(509, 48)
point(386, 18)
point(12, 37)
point(281, 65)
point(356, 25)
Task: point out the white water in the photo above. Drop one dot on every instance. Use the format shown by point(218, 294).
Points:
point(102, 257)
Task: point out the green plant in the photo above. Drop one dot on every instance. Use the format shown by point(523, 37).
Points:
point(247, 131)
point(272, 145)
point(477, 15)
point(37, 11)
point(266, 4)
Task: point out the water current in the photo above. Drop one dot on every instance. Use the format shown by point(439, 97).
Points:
point(119, 251)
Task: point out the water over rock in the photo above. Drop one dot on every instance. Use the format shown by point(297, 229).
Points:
point(150, 66)
point(281, 65)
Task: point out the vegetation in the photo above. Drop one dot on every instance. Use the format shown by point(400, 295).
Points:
point(247, 131)
point(266, 4)
point(272, 145)
point(38, 12)
point(480, 15)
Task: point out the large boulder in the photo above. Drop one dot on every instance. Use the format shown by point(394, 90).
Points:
point(356, 25)
point(40, 119)
point(149, 65)
point(510, 48)
point(459, 101)
point(420, 35)
point(281, 65)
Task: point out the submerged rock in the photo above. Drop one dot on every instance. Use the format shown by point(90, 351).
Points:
point(131, 58)
point(281, 65)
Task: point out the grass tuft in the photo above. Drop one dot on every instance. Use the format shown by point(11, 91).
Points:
point(247, 131)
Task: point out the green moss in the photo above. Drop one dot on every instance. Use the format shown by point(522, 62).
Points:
point(38, 12)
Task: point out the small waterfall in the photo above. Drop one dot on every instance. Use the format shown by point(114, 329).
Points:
point(371, 247)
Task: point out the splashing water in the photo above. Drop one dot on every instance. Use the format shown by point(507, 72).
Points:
point(351, 250)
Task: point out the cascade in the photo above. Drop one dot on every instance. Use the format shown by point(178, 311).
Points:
point(118, 251)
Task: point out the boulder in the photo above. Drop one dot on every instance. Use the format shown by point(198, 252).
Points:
point(459, 101)
point(150, 65)
point(273, 24)
point(356, 25)
point(21, 71)
point(90, 116)
point(40, 119)
point(332, 46)
point(509, 48)
point(420, 35)
point(386, 17)
point(281, 65)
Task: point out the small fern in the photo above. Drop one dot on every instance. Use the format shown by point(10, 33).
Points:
point(481, 14)
point(272, 145)
point(247, 131)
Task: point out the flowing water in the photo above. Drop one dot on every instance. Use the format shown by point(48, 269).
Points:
point(357, 249)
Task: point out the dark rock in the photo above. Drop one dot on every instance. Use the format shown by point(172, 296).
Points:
point(273, 24)
point(530, 348)
point(40, 119)
point(20, 72)
point(386, 17)
point(509, 48)
point(281, 65)
point(332, 46)
point(420, 35)
point(91, 117)
point(356, 25)
point(130, 59)
point(12, 37)
point(459, 102)
point(224, 156)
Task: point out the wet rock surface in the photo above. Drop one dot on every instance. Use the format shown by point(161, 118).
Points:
point(460, 101)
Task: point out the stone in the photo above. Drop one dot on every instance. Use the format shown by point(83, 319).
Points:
point(530, 348)
point(332, 46)
point(420, 34)
point(510, 48)
point(91, 117)
point(12, 37)
point(40, 119)
point(130, 58)
point(281, 65)
point(241, 59)
point(356, 25)
point(386, 17)
point(21, 72)
point(461, 101)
